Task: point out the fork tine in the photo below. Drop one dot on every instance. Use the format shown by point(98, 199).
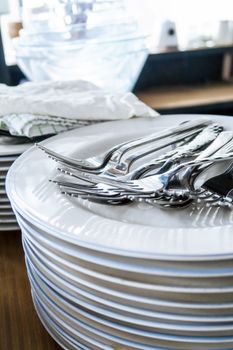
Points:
point(71, 185)
point(118, 199)
point(77, 175)
point(57, 157)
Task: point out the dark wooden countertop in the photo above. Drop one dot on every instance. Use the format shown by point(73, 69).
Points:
point(187, 96)
point(20, 328)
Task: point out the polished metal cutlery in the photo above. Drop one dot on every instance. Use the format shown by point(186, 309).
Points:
point(150, 187)
point(169, 158)
point(113, 156)
point(169, 180)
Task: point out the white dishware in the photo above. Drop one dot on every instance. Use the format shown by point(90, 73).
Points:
point(187, 233)
point(130, 277)
point(9, 150)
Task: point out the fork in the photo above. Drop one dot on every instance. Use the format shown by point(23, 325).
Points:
point(194, 186)
point(203, 138)
point(150, 187)
point(206, 136)
point(97, 163)
point(82, 189)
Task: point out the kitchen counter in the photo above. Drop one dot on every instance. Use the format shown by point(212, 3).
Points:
point(197, 99)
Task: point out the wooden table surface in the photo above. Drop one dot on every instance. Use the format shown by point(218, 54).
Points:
point(20, 328)
point(187, 96)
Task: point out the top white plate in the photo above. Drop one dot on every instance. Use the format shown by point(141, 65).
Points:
point(135, 230)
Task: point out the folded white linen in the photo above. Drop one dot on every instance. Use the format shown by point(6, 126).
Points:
point(76, 99)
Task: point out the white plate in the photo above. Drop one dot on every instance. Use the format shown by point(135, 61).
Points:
point(122, 279)
point(7, 148)
point(8, 159)
point(124, 311)
point(8, 220)
point(150, 292)
point(106, 330)
point(173, 324)
point(180, 311)
point(76, 312)
point(4, 169)
point(10, 227)
point(90, 291)
point(5, 206)
point(6, 213)
point(5, 165)
point(110, 262)
point(132, 230)
point(57, 334)
point(4, 200)
point(65, 335)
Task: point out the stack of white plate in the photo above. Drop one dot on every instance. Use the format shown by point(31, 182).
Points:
point(8, 154)
point(126, 277)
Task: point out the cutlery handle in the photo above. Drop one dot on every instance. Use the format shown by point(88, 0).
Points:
point(222, 139)
point(208, 135)
point(222, 145)
point(122, 167)
point(189, 125)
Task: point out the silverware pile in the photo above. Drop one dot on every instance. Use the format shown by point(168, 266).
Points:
point(182, 165)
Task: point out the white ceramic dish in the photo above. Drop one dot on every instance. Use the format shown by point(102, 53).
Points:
point(75, 312)
point(148, 283)
point(131, 290)
point(95, 303)
point(172, 327)
point(109, 297)
point(52, 329)
point(124, 312)
point(110, 330)
point(7, 149)
point(7, 219)
point(5, 165)
point(5, 206)
point(110, 265)
point(7, 159)
point(4, 169)
point(9, 227)
point(180, 235)
point(4, 199)
point(6, 213)
point(65, 336)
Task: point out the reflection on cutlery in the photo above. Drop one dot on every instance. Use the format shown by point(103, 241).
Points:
point(168, 180)
point(115, 154)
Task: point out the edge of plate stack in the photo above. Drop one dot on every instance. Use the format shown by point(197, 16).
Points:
point(8, 154)
point(90, 298)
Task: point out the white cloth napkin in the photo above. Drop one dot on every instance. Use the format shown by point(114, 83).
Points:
point(42, 108)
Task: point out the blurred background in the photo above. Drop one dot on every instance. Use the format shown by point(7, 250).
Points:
point(175, 54)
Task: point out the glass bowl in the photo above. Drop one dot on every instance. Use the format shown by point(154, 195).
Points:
point(113, 65)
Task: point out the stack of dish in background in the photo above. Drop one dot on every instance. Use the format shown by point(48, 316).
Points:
point(95, 40)
point(8, 154)
point(126, 277)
